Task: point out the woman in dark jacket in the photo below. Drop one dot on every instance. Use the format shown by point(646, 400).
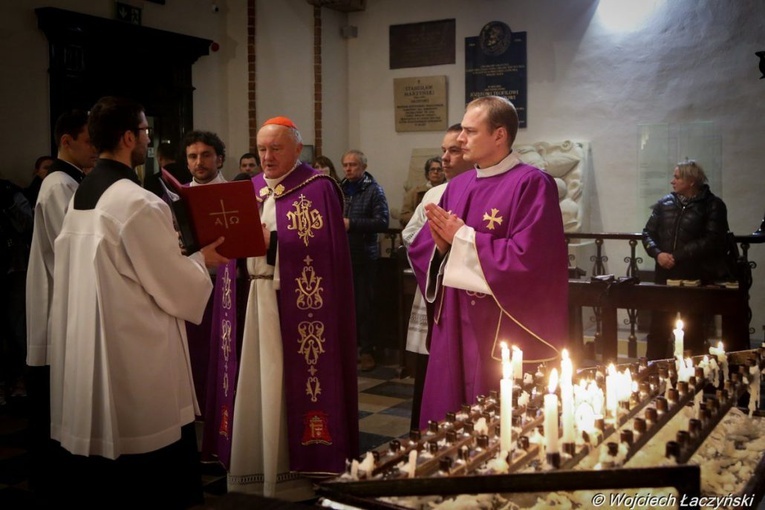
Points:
point(686, 234)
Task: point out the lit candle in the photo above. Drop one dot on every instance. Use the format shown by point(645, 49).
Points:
point(568, 416)
point(612, 389)
point(686, 370)
point(596, 399)
point(505, 353)
point(551, 415)
point(566, 369)
point(754, 388)
point(722, 359)
point(506, 415)
point(517, 363)
point(678, 332)
point(506, 402)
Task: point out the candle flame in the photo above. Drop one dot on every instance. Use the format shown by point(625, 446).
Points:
point(720, 346)
point(679, 324)
point(505, 352)
point(564, 354)
point(553, 380)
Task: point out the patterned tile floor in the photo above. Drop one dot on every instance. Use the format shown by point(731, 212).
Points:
point(385, 403)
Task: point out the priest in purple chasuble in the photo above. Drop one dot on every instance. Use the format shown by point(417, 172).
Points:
point(212, 352)
point(493, 262)
point(296, 405)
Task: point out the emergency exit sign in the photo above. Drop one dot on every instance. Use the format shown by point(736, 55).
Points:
point(128, 13)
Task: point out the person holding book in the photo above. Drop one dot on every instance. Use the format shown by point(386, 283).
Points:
point(295, 414)
point(122, 397)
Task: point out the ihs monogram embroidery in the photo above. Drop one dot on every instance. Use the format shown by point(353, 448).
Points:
point(309, 288)
point(304, 219)
point(492, 219)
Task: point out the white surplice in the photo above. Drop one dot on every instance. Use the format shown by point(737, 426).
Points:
point(259, 447)
point(417, 331)
point(55, 192)
point(120, 375)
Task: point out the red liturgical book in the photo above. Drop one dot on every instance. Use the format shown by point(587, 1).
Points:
point(205, 213)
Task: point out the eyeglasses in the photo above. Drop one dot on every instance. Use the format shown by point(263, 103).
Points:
point(149, 131)
point(437, 170)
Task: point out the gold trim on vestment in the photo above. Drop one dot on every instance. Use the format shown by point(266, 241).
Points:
point(261, 277)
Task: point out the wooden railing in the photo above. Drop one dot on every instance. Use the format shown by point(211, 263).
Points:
point(633, 260)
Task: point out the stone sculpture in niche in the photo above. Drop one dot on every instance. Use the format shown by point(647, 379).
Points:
point(565, 162)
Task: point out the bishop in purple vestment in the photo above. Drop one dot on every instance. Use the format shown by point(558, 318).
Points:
point(296, 409)
point(493, 262)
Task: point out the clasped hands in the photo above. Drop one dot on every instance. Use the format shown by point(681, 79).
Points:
point(443, 226)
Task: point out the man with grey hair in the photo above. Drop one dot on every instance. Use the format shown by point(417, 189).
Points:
point(366, 215)
point(295, 413)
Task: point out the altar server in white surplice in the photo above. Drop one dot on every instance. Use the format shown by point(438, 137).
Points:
point(75, 155)
point(122, 395)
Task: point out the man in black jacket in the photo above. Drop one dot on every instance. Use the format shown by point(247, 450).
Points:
point(366, 214)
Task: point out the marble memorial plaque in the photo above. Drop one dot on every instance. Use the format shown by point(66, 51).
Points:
point(420, 103)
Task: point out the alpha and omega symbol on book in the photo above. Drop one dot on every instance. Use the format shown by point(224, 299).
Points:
point(224, 218)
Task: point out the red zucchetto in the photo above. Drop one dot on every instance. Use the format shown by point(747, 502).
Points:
point(281, 121)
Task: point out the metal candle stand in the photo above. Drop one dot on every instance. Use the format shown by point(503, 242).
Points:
point(433, 477)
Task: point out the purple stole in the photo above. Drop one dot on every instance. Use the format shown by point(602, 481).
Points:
point(317, 321)
point(221, 368)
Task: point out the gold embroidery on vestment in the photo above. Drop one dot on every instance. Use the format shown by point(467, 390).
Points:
point(225, 346)
point(226, 289)
point(311, 341)
point(304, 219)
point(493, 218)
point(313, 388)
point(309, 290)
